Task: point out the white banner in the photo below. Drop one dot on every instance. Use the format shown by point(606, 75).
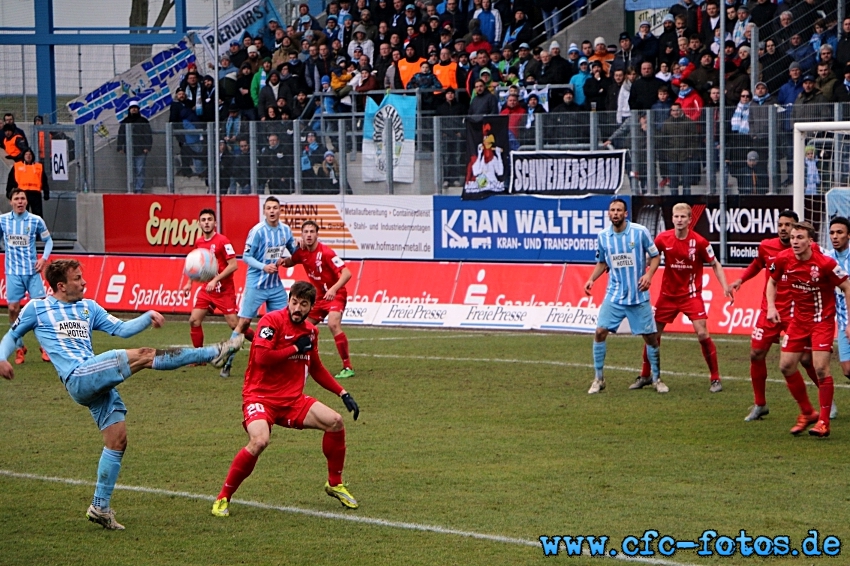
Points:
point(356, 227)
point(59, 159)
point(150, 83)
point(251, 18)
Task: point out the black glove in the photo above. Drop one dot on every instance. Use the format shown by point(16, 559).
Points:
point(351, 405)
point(46, 197)
point(304, 343)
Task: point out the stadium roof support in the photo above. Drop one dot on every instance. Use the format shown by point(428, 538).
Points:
point(45, 36)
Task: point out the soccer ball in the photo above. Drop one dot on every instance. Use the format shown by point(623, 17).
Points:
point(200, 265)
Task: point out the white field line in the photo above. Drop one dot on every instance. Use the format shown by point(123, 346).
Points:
point(326, 515)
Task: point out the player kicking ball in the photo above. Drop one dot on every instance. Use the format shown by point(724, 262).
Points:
point(839, 235)
point(284, 351)
point(621, 249)
point(328, 273)
point(812, 278)
point(685, 253)
point(63, 324)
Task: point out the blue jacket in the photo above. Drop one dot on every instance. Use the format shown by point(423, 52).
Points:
point(788, 93)
point(578, 81)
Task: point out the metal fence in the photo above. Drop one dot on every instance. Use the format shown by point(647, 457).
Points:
point(668, 154)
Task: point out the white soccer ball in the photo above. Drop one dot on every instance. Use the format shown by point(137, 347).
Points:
point(200, 265)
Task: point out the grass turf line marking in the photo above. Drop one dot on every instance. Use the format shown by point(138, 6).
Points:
point(560, 364)
point(325, 515)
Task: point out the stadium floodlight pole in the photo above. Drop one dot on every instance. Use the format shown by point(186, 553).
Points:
point(216, 135)
point(721, 185)
point(800, 131)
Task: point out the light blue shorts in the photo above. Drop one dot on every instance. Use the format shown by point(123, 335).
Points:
point(18, 285)
point(843, 346)
point(93, 384)
point(252, 299)
point(640, 317)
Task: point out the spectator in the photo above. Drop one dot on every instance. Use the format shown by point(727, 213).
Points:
point(826, 56)
point(661, 109)
point(454, 17)
point(573, 55)
point(31, 177)
point(520, 30)
point(738, 81)
point(752, 177)
point(624, 111)
point(825, 81)
point(550, 73)
point(596, 87)
point(841, 91)
point(274, 162)
point(525, 59)
point(391, 78)
point(254, 59)
point(646, 44)
point(327, 175)
point(741, 25)
point(739, 141)
point(681, 151)
point(237, 54)
point(801, 52)
point(234, 127)
point(368, 82)
point(301, 106)
point(690, 12)
point(194, 90)
point(241, 167)
point(568, 121)
point(177, 114)
point(784, 31)
point(427, 83)
point(793, 87)
point(774, 65)
point(760, 108)
point(482, 62)
point(711, 23)
point(668, 42)
point(210, 101)
point(448, 72)
point(490, 22)
point(762, 13)
point(551, 12)
point(644, 91)
point(810, 105)
point(587, 49)
point(515, 113)
point(823, 35)
point(368, 24)
point(601, 54)
point(304, 16)
point(812, 174)
point(262, 50)
point(479, 43)
point(664, 75)
point(364, 43)
point(690, 100)
point(578, 81)
point(140, 140)
point(842, 51)
point(483, 101)
point(705, 76)
point(637, 156)
point(627, 56)
point(312, 155)
point(453, 137)
point(332, 29)
point(618, 77)
point(273, 91)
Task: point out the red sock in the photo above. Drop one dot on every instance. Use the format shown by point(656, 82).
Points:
point(709, 352)
point(342, 347)
point(646, 369)
point(242, 466)
point(197, 334)
point(826, 390)
point(797, 387)
point(758, 377)
point(249, 334)
point(333, 445)
point(813, 374)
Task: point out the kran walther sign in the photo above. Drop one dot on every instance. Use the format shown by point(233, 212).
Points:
point(566, 172)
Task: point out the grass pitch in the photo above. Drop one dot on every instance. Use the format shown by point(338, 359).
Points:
point(461, 435)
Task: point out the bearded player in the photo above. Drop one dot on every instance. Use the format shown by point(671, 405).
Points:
point(767, 333)
point(220, 292)
point(839, 235)
point(329, 275)
point(811, 279)
point(284, 351)
point(685, 253)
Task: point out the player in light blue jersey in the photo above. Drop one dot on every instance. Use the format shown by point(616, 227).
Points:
point(23, 268)
point(839, 234)
point(267, 245)
point(621, 249)
point(63, 324)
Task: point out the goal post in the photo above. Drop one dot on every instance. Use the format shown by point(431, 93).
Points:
point(831, 141)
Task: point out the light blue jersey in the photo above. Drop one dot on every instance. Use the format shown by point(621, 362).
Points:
point(64, 329)
point(19, 233)
point(625, 254)
point(843, 259)
point(263, 246)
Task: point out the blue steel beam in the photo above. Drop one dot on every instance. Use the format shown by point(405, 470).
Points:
point(45, 59)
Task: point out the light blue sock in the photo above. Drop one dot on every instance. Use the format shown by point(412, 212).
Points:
point(174, 358)
point(229, 361)
point(654, 357)
point(107, 475)
point(599, 349)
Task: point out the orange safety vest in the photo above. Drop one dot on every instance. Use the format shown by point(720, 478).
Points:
point(28, 176)
point(406, 70)
point(11, 145)
point(447, 75)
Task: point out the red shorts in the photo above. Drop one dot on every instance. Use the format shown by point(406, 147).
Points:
point(322, 307)
point(666, 309)
point(224, 302)
point(817, 337)
point(766, 333)
point(291, 416)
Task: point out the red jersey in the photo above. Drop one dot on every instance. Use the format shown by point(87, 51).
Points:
point(767, 253)
point(283, 384)
point(323, 267)
point(222, 249)
point(683, 263)
point(810, 284)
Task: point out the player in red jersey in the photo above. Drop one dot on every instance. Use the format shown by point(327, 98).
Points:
point(811, 278)
point(220, 292)
point(765, 332)
point(685, 253)
point(329, 275)
point(284, 351)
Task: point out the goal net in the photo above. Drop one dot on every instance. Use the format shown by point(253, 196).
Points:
point(822, 174)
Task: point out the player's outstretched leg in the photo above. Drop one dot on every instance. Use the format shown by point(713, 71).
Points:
point(173, 358)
